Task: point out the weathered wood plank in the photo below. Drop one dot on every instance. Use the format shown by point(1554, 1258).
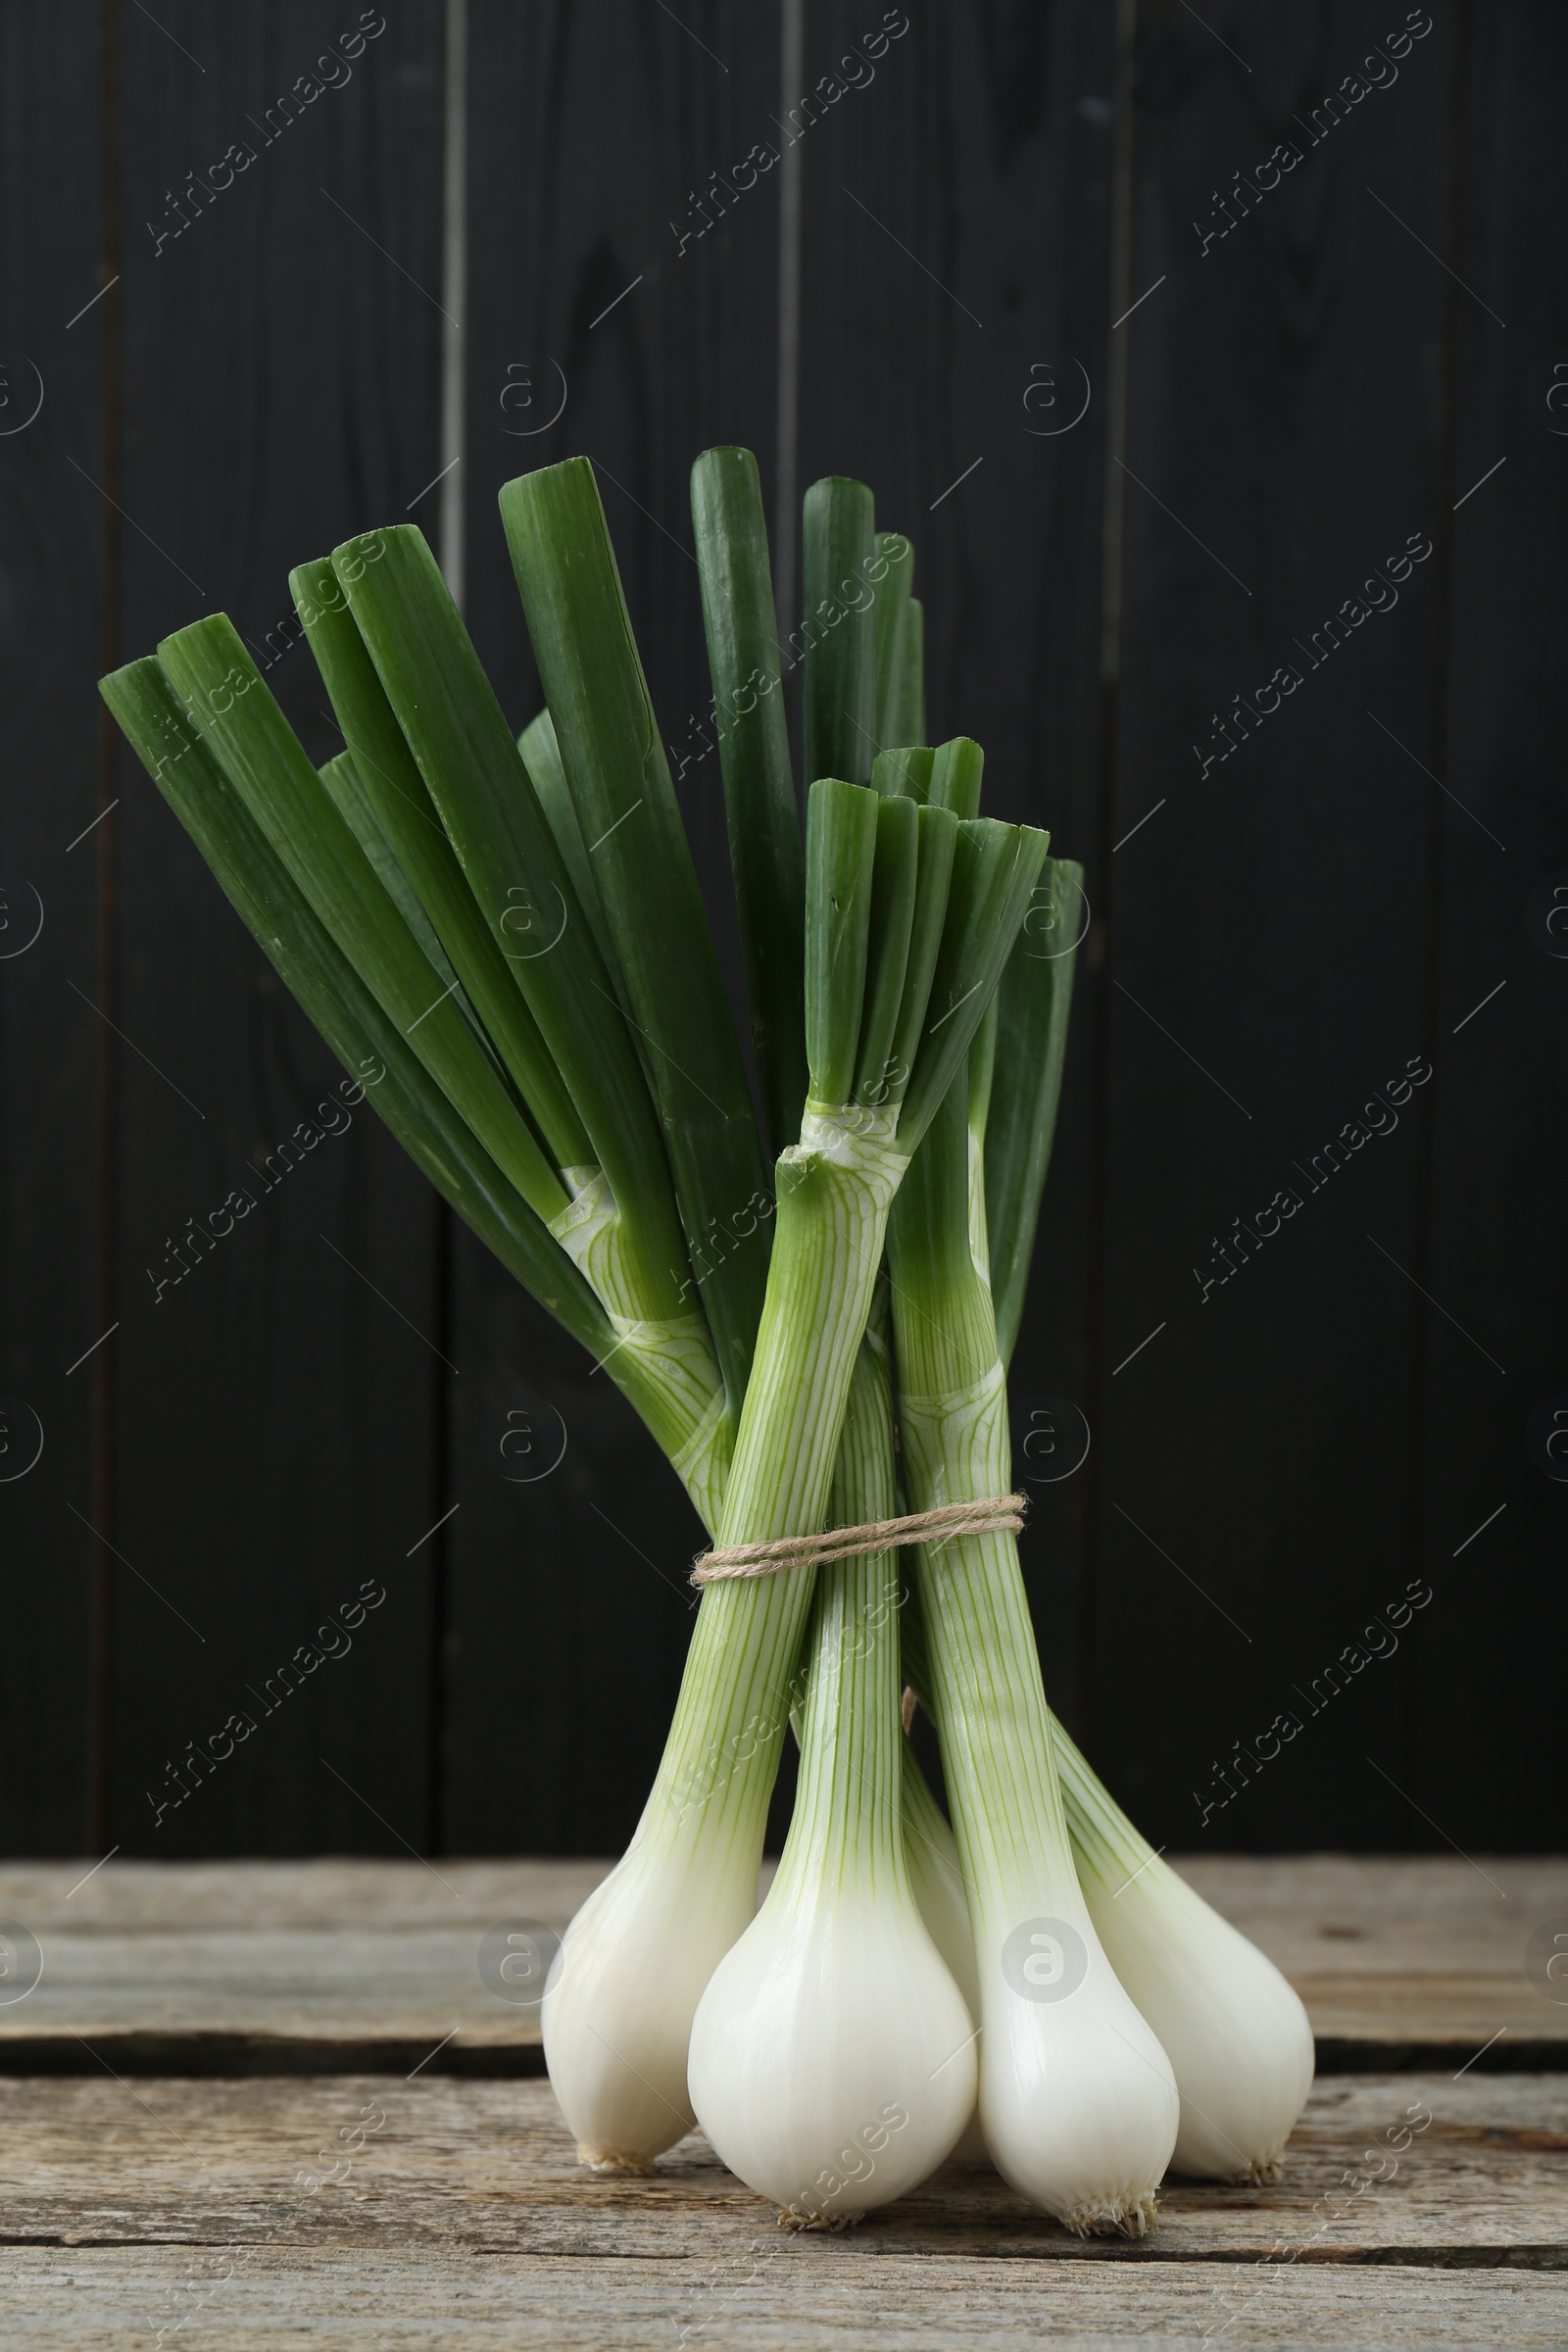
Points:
point(280, 1963)
point(1401, 1948)
point(395, 2300)
point(253, 1966)
point(254, 2205)
point(1379, 2168)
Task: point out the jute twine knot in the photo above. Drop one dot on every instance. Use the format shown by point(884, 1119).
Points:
point(998, 1514)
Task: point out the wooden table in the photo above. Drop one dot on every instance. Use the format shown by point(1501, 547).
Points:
point(178, 2095)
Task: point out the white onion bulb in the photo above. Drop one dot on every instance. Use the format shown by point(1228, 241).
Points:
point(1235, 2030)
point(617, 2009)
point(1077, 2099)
point(936, 1879)
point(832, 2055)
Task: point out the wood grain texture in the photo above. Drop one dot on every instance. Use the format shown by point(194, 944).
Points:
point(1305, 392)
point(251, 1967)
point(1397, 1950)
point(436, 2213)
point(438, 2301)
point(1270, 926)
point(956, 261)
point(268, 1964)
point(276, 1422)
point(567, 1613)
point(52, 547)
point(1496, 1258)
point(476, 2164)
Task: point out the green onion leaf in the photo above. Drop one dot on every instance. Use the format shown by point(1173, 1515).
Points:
point(839, 631)
point(766, 854)
point(995, 870)
point(541, 756)
point(841, 859)
point(956, 772)
point(898, 717)
point(907, 770)
point(389, 778)
point(230, 704)
point(893, 896)
point(937, 834)
point(476, 779)
point(983, 1062)
point(333, 997)
point(1033, 1001)
point(342, 780)
point(619, 780)
point(909, 722)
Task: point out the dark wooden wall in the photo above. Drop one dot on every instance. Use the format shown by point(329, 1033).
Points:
point(1007, 220)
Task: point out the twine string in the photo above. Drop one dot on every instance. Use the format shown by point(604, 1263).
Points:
point(997, 1514)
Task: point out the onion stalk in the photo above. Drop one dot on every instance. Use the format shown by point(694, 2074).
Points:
point(1235, 2032)
point(1237, 2036)
point(566, 1126)
point(832, 2055)
point(1077, 2100)
point(766, 859)
point(637, 1957)
point(504, 942)
point(355, 1025)
point(676, 1013)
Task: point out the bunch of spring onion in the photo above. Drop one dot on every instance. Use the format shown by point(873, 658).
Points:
point(504, 941)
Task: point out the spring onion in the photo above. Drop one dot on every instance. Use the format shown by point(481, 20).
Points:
point(1235, 2032)
point(676, 1009)
point(637, 1957)
point(1077, 2100)
point(764, 825)
point(502, 940)
point(832, 2055)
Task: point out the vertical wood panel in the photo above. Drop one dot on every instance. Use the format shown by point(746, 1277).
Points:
point(51, 633)
point(589, 128)
point(1486, 1740)
point(1269, 926)
point(276, 1411)
point(955, 275)
point(1298, 919)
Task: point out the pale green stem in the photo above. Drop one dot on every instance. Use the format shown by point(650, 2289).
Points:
point(845, 1823)
point(710, 1799)
point(1105, 1843)
point(667, 1364)
point(989, 1701)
